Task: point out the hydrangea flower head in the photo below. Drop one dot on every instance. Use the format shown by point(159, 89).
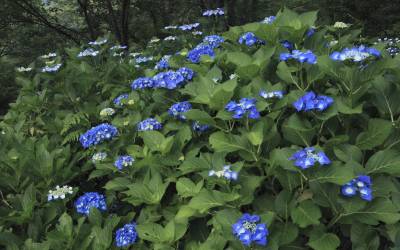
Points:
point(126, 235)
point(170, 38)
point(171, 27)
point(124, 161)
point(311, 101)
point(214, 40)
point(149, 124)
point(23, 69)
point(59, 193)
point(288, 45)
point(308, 157)
point(197, 126)
point(248, 230)
point(163, 63)
point(98, 157)
point(302, 57)
point(341, 25)
point(178, 109)
point(52, 68)
point(269, 20)
point(169, 79)
point(118, 47)
point(197, 33)
point(118, 100)
point(310, 32)
point(226, 172)
point(187, 73)
point(88, 52)
point(216, 12)
point(107, 112)
point(91, 199)
point(143, 59)
point(244, 106)
point(273, 94)
point(202, 49)
point(189, 26)
point(98, 134)
point(142, 83)
point(361, 185)
point(249, 39)
point(98, 42)
point(50, 55)
point(355, 54)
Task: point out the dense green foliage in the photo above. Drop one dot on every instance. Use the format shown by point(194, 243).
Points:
point(167, 191)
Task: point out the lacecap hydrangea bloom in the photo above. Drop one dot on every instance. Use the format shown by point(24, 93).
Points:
point(118, 47)
point(226, 172)
point(243, 107)
point(189, 26)
point(361, 185)
point(143, 59)
point(23, 69)
point(355, 54)
point(269, 20)
point(124, 161)
point(249, 39)
point(52, 68)
point(177, 110)
point(98, 134)
point(170, 38)
point(126, 235)
point(197, 126)
point(202, 49)
point(90, 200)
point(213, 40)
point(272, 94)
point(59, 193)
point(99, 156)
point(149, 124)
point(302, 57)
point(88, 52)
point(308, 157)
point(118, 101)
point(248, 230)
point(311, 101)
point(142, 83)
point(216, 12)
point(98, 42)
point(197, 33)
point(107, 112)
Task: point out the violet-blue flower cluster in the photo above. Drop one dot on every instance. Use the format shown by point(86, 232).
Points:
point(202, 49)
point(213, 40)
point(98, 134)
point(248, 230)
point(169, 80)
point(273, 94)
point(124, 161)
point(187, 73)
point(244, 106)
point(311, 101)
point(126, 235)
point(189, 26)
point(163, 63)
point(355, 54)
point(149, 124)
point(197, 126)
point(288, 45)
point(216, 12)
point(88, 52)
point(226, 172)
point(142, 83)
point(310, 32)
point(308, 157)
point(118, 101)
point(302, 57)
point(177, 110)
point(90, 200)
point(249, 39)
point(362, 185)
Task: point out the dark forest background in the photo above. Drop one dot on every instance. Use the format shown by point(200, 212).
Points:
point(30, 28)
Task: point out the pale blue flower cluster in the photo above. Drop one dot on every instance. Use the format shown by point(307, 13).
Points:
point(163, 63)
point(226, 172)
point(120, 98)
point(269, 20)
point(355, 54)
point(189, 26)
point(99, 156)
point(88, 52)
point(98, 42)
point(197, 126)
point(202, 49)
point(177, 110)
point(123, 161)
point(213, 40)
point(52, 68)
point(273, 94)
point(249, 39)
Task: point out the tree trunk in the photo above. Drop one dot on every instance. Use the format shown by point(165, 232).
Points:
point(85, 10)
point(113, 21)
point(125, 22)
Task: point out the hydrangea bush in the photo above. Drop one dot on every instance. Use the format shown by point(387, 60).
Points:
point(279, 134)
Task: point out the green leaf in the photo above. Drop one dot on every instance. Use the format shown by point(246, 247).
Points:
point(206, 200)
point(298, 130)
point(222, 142)
point(326, 241)
point(377, 132)
point(335, 173)
point(347, 153)
point(153, 140)
point(306, 214)
point(187, 188)
point(387, 161)
point(201, 116)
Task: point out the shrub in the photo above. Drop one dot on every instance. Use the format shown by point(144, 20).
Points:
point(263, 145)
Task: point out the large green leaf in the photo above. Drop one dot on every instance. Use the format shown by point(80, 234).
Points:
point(306, 214)
point(377, 132)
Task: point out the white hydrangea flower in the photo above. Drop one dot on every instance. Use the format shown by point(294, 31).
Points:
point(100, 156)
point(341, 25)
point(50, 55)
point(59, 193)
point(107, 112)
point(23, 69)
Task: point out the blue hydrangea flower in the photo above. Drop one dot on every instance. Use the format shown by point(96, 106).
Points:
point(149, 124)
point(249, 39)
point(202, 49)
point(177, 110)
point(142, 83)
point(99, 42)
point(88, 52)
point(169, 80)
point(362, 185)
point(187, 73)
point(288, 45)
point(143, 59)
point(310, 32)
point(118, 100)
point(226, 172)
point(269, 20)
point(52, 68)
point(197, 126)
point(273, 94)
point(163, 63)
point(247, 230)
point(311, 101)
point(214, 40)
point(124, 161)
point(245, 106)
point(92, 199)
point(126, 235)
point(216, 12)
point(307, 157)
point(303, 57)
point(189, 26)
point(355, 54)
point(98, 134)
